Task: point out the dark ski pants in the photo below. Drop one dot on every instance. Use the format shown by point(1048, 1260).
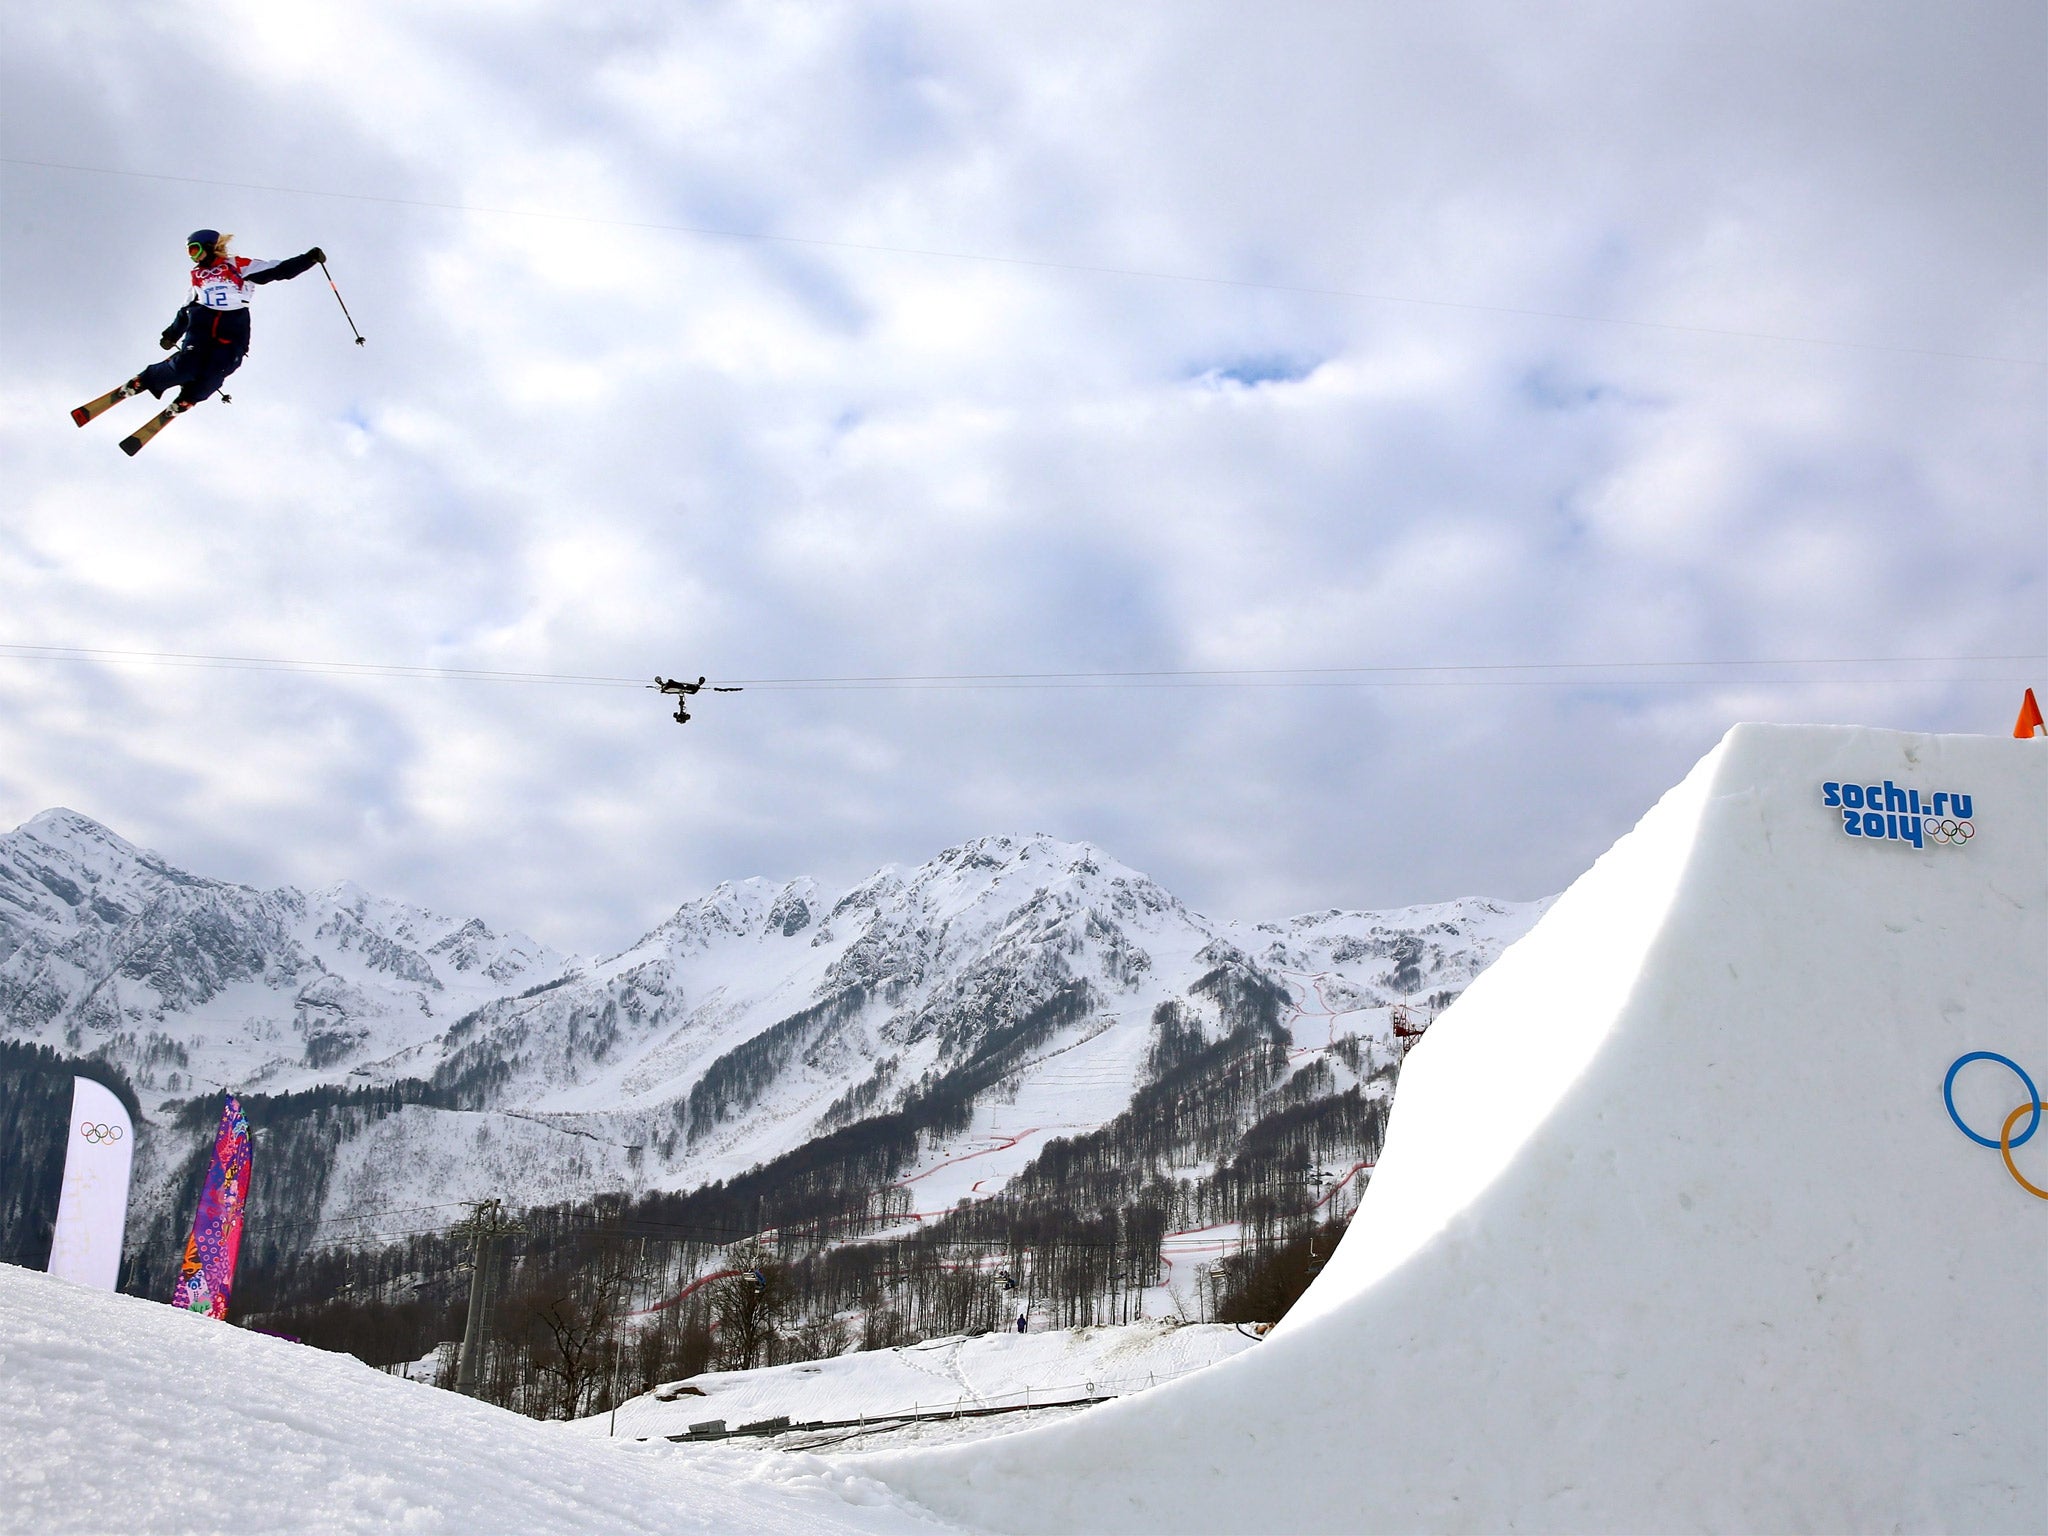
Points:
point(195, 372)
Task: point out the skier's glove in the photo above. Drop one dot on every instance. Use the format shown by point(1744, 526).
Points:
point(169, 339)
point(317, 256)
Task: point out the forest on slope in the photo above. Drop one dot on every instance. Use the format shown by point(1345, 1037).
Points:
point(828, 1255)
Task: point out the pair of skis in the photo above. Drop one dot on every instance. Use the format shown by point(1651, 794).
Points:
point(132, 443)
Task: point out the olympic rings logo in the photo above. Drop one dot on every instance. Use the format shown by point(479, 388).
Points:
point(2006, 1140)
point(99, 1135)
point(1955, 833)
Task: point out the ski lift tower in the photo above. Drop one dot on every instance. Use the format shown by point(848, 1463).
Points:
point(483, 1226)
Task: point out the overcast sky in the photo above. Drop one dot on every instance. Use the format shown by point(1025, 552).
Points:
point(1323, 336)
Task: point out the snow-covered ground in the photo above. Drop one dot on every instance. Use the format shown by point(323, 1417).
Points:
point(996, 1370)
point(122, 1415)
point(118, 1414)
point(1673, 1229)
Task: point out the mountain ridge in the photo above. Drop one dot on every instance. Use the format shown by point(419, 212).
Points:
point(1006, 992)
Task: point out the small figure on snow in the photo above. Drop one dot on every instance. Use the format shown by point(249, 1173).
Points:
point(210, 334)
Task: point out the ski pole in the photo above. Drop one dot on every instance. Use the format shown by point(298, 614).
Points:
point(351, 319)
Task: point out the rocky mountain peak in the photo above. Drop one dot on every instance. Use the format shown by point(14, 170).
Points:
point(104, 945)
point(738, 909)
point(61, 871)
point(60, 824)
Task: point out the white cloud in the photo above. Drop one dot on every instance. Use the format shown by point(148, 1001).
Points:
point(584, 447)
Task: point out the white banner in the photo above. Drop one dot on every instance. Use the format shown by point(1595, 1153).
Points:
point(92, 1214)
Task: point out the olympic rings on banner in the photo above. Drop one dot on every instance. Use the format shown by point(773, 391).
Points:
point(98, 1134)
point(1949, 830)
point(1948, 1097)
point(2006, 1144)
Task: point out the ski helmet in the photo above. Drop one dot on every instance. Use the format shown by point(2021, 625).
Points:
point(208, 238)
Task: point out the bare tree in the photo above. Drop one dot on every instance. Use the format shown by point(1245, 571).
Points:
point(819, 1338)
point(746, 1307)
point(884, 1328)
point(572, 1320)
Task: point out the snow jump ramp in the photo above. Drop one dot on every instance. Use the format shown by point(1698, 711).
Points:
point(1674, 1229)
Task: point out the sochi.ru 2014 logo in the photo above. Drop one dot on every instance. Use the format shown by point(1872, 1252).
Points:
point(97, 1133)
point(1891, 814)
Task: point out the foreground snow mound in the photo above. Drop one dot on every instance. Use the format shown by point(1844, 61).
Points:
point(1673, 1230)
point(122, 1415)
point(994, 1370)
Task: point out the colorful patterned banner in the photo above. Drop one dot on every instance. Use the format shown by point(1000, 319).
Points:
point(208, 1272)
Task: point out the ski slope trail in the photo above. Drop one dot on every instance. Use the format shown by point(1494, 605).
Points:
point(1673, 1229)
point(1007, 1370)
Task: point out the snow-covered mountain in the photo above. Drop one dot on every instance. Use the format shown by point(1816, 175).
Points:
point(1022, 984)
point(187, 982)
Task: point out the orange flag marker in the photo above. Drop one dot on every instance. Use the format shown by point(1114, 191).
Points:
point(2030, 718)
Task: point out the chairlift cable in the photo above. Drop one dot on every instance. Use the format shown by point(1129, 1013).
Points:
point(1427, 675)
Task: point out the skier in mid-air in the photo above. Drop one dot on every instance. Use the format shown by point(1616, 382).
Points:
point(210, 334)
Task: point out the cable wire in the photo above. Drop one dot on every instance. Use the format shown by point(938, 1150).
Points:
point(1430, 675)
point(19, 652)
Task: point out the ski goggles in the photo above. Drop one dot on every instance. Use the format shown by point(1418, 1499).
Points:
point(195, 250)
